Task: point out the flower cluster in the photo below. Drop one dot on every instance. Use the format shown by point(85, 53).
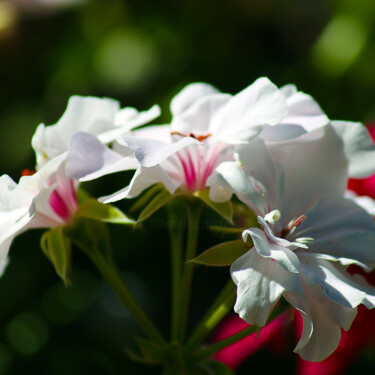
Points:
point(274, 149)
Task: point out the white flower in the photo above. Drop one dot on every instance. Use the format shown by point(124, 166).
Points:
point(205, 127)
point(367, 203)
point(48, 198)
point(44, 200)
point(305, 115)
point(99, 116)
point(309, 234)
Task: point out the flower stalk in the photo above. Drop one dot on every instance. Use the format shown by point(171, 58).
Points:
point(220, 307)
point(114, 279)
point(194, 209)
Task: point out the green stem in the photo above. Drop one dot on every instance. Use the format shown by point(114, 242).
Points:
point(194, 210)
point(176, 237)
point(223, 303)
point(111, 274)
point(214, 348)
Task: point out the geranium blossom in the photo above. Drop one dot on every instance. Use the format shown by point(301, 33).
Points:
point(48, 198)
point(44, 199)
point(309, 234)
point(99, 116)
point(206, 125)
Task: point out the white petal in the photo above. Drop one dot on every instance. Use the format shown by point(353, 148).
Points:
point(341, 229)
point(303, 110)
point(16, 210)
point(277, 240)
point(88, 159)
point(127, 119)
point(335, 284)
point(3, 264)
point(322, 320)
point(189, 95)
point(281, 133)
point(367, 203)
point(150, 152)
point(308, 167)
point(93, 115)
point(242, 117)
point(160, 133)
point(260, 283)
point(196, 119)
point(231, 177)
point(359, 147)
point(255, 159)
point(217, 193)
point(265, 248)
point(142, 179)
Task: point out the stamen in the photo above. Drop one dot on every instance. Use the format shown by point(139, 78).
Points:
point(272, 216)
point(27, 172)
point(199, 138)
point(292, 226)
point(297, 222)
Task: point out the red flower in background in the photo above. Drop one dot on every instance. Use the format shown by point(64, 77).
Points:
point(364, 186)
point(360, 335)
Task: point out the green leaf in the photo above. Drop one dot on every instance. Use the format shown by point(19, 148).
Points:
point(145, 197)
point(226, 230)
point(156, 203)
point(93, 209)
point(216, 368)
point(223, 209)
point(135, 357)
point(57, 248)
point(223, 254)
point(90, 235)
point(82, 195)
point(153, 353)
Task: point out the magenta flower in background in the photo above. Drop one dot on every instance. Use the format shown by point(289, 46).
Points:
point(364, 186)
point(273, 335)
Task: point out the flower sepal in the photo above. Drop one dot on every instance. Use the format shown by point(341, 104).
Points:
point(152, 353)
point(57, 248)
point(223, 254)
point(155, 203)
point(90, 236)
point(95, 210)
point(215, 367)
point(224, 209)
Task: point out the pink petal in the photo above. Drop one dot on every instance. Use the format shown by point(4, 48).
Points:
point(234, 355)
point(364, 186)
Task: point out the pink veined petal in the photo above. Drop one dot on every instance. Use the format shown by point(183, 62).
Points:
point(193, 173)
point(186, 170)
point(211, 162)
point(58, 205)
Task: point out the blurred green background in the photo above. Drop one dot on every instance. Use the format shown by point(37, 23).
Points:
point(143, 52)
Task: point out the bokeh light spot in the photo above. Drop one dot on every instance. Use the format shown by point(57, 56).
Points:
point(339, 45)
point(27, 333)
point(126, 60)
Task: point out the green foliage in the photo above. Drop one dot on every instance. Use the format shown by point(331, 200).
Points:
point(90, 235)
point(93, 209)
point(157, 202)
point(223, 254)
point(57, 249)
point(223, 209)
